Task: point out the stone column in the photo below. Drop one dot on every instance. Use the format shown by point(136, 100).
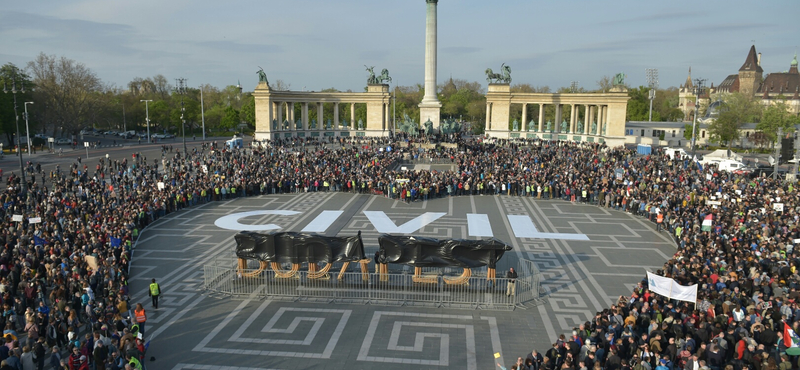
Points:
point(335, 116)
point(600, 110)
point(280, 116)
point(290, 115)
point(587, 109)
point(488, 116)
point(430, 105)
point(430, 52)
point(353, 116)
point(386, 116)
point(524, 125)
point(541, 117)
point(305, 116)
point(320, 120)
point(557, 123)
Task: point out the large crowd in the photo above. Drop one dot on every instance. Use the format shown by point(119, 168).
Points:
point(64, 265)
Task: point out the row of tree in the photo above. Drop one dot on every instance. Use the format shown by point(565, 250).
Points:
point(738, 109)
point(68, 96)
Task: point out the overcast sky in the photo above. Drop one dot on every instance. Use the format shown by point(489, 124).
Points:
point(317, 44)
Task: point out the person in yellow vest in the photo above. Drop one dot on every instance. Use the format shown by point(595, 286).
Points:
point(155, 291)
point(135, 363)
point(141, 317)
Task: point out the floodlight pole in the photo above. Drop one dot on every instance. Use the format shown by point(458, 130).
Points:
point(14, 92)
point(652, 82)
point(147, 113)
point(27, 129)
point(698, 91)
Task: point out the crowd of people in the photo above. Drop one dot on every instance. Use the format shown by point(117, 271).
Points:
point(65, 263)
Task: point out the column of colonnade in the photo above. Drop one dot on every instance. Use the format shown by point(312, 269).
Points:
point(524, 125)
point(488, 116)
point(579, 123)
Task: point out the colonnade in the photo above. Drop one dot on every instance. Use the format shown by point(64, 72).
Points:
point(276, 116)
point(593, 117)
point(284, 115)
point(578, 123)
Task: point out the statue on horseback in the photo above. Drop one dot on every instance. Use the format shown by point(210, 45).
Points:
point(503, 77)
point(377, 80)
point(384, 77)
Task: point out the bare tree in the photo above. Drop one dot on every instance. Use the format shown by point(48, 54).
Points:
point(281, 85)
point(605, 84)
point(70, 90)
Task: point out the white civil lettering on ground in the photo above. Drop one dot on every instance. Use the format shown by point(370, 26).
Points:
point(231, 222)
point(322, 222)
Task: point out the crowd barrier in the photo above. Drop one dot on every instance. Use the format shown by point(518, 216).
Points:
point(221, 277)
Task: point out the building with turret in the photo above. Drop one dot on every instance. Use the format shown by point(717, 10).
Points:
point(770, 89)
point(783, 86)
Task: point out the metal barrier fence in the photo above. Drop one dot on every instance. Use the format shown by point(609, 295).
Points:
point(429, 290)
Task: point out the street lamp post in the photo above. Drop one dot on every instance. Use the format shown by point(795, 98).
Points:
point(181, 89)
point(652, 82)
point(27, 130)
point(394, 112)
point(698, 90)
point(124, 123)
point(14, 91)
point(202, 114)
point(147, 114)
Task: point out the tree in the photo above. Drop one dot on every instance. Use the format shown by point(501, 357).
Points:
point(9, 73)
point(248, 112)
point(230, 120)
point(639, 105)
point(760, 139)
point(69, 89)
point(604, 84)
point(776, 116)
point(736, 110)
point(687, 131)
point(281, 85)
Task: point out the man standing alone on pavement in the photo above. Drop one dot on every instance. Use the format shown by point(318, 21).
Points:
point(154, 292)
point(512, 282)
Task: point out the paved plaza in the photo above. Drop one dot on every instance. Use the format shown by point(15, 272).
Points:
point(588, 256)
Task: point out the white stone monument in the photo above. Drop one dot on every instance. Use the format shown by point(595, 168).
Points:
point(430, 107)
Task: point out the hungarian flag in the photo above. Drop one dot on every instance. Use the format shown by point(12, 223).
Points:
point(790, 339)
point(707, 222)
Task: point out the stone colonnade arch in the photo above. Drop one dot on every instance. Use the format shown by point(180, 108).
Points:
point(276, 120)
point(603, 118)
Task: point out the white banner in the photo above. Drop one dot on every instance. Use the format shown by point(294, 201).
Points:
point(16, 218)
point(35, 220)
point(659, 284)
point(684, 293)
point(671, 289)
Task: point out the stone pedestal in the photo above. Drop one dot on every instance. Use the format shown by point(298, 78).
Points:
point(377, 117)
point(430, 111)
point(500, 96)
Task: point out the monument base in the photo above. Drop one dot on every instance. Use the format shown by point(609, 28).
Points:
point(430, 111)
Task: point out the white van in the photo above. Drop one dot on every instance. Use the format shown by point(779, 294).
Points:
point(729, 165)
point(235, 142)
point(676, 153)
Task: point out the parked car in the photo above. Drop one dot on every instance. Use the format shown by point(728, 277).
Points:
point(159, 136)
point(142, 135)
point(63, 141)
point(169, 136)
point(763, 170)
